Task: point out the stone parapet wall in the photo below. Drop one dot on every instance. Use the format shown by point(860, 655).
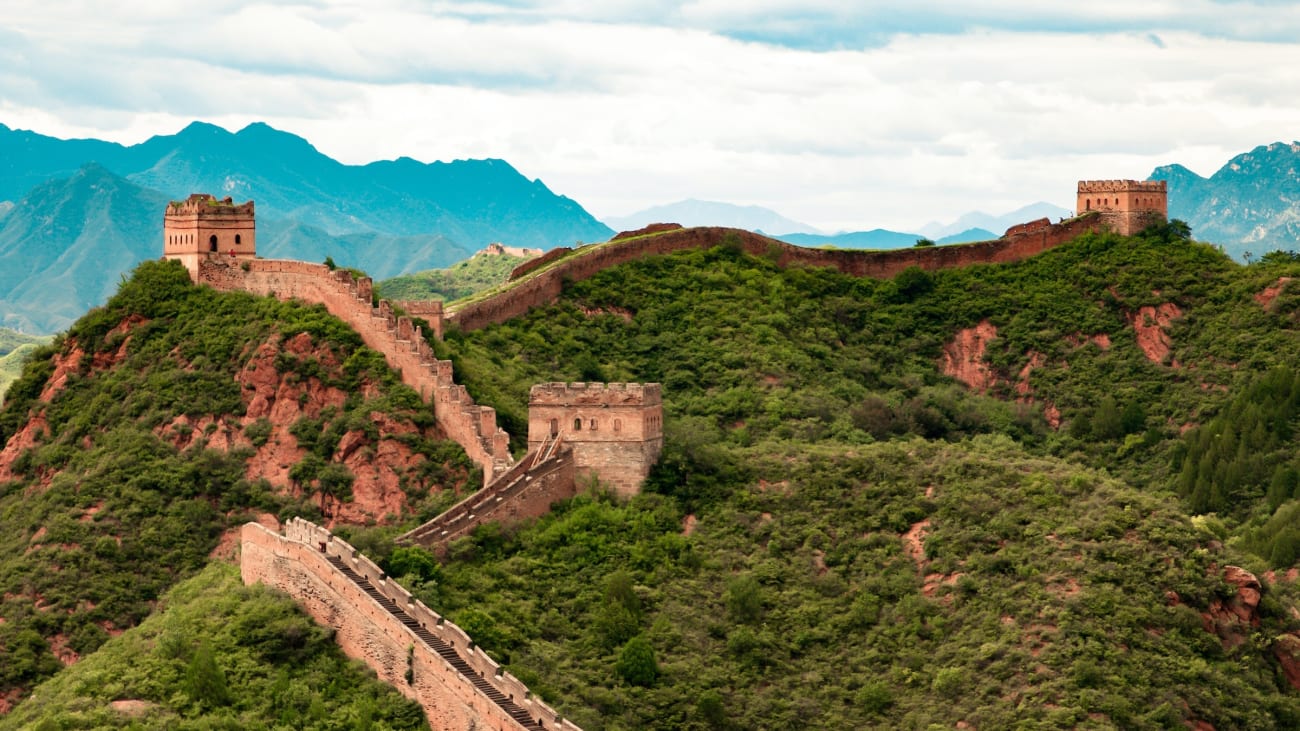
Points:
point(527, 491)
point(401, 342)
point(1122, 186)
point(545, 285)
point(297, 563)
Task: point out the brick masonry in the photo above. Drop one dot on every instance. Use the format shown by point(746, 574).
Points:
point(298, 563)
point(546, 283)
point(614, 429)
point(527, 491)
point(402, 343)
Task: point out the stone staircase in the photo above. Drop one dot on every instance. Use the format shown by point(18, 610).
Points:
point(446, 651)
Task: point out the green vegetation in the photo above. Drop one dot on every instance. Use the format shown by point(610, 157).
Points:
point(105, 512)
point(218, 655)
point(838, 535)
point(1039, 600)
point(15, 349)
point(461, 279)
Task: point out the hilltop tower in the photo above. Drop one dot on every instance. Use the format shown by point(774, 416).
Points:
point(614, 429)
point(202, 227)
point(1126, 206)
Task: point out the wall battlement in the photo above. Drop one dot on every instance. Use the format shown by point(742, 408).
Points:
point(596, 393)
point(307, 562)
point(614, 429)
point(203, 227)
point(1126, 206)
point(401, 342)
point(1119, 186)
point(541, 281)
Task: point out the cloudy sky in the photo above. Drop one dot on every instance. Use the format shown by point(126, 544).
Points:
point(844, 114)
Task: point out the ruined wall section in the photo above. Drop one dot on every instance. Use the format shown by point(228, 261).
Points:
point(527, 491)
point(545, 285)
point(472, 426)
point(297, 563)
point(614, 429)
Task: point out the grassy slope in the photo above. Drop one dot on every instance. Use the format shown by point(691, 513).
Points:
point(459, 280)
point(15, 348)
point(273, 668)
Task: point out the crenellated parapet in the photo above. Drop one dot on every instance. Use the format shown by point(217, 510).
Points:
point(411, 647)
point(614, 429)
point(203, 227)
point(397, 337)
point(1125, 206)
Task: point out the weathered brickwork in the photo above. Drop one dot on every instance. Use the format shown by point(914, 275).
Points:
point(614, 429)
point(474, 427)
point(202, 227)
point(1126, 206)
point(546, 284)
point(299, 563)
point(428, 310)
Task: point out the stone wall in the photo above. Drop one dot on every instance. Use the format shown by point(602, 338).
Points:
point(614, 429)
point(403, 345)
point(545, 285)
point(527, 491)
point(297, 563)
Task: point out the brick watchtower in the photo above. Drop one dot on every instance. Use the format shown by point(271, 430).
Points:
point(202, 227)
point(1127, 206)
point(614, 429)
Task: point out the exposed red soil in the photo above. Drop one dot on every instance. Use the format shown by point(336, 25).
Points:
point(963, 357)
point(1078, 339)
point(59, 647)
point(1266, 296)
point(914, 543)
point(1234, 618)
point(1150, 325)
point(688, 524)
point(1036, 360)
point(229, 541)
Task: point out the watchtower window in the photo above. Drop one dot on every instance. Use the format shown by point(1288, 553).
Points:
point(618, 425)
point(236, 239)
point(594, 425)
point(555, 427)
point(212, 243)
point(577, 424)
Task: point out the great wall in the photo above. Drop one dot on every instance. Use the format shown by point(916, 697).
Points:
point(612, 432)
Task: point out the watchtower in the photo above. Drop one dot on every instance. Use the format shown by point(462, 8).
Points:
point(1127, 206)
point(202, 227)
point(614, 429)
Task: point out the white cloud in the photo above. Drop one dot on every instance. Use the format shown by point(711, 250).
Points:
point(647, 103)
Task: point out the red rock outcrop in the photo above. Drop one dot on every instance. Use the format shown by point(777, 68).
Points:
point(963, 356)
point(1151, 325)
point(1266, 296)
point(1232, 619)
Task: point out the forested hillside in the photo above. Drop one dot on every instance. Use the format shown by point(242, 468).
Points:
point(976, 496)
point(175, 413)
point(14, 349)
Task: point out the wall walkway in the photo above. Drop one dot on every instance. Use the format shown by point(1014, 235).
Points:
point(539, 284)
point(409, 646)
point(402, 343)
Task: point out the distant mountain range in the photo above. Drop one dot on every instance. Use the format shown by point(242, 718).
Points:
point(762, 220)
point(979, 220)
point(1250, 206)
point(74, 214)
